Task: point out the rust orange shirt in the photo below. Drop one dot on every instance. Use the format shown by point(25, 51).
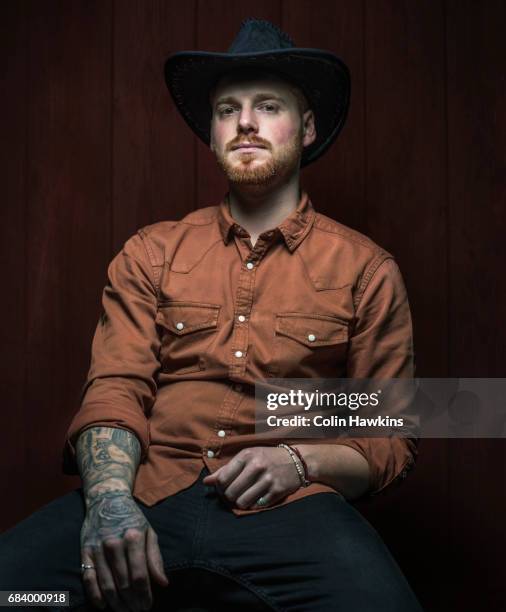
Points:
point(193, 315)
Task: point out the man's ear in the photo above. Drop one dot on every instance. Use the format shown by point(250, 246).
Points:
point(309, 128)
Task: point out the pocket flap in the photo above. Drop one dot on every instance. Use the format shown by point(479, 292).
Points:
point(312, 329)
point(186, 317)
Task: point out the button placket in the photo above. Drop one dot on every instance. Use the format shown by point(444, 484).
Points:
point(243, 306)
point(223, 422)
point(241, 322)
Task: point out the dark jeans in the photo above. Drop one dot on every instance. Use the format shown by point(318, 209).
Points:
point(314, 554)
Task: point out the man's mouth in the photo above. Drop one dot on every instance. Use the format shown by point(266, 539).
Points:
point(247, 147)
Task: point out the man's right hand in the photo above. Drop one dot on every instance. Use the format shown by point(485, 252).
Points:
point(122, 546)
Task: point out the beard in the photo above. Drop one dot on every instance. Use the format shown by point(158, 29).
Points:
point(250, 169)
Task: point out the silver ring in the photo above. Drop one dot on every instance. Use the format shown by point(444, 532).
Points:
point(85, 567)
point(261, 501)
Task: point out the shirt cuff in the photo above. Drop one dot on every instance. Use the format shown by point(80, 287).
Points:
point(389, 459)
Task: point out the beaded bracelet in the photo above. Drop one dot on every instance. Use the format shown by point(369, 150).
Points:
point(300, 470)
point(299, 455)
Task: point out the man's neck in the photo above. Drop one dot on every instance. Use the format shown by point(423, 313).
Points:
point(258, 208)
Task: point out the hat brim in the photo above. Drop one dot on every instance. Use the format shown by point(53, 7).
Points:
point(322, 76)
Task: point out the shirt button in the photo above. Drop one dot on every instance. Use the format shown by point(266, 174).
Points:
point(241, 318)
point(311, 337)
point(238, 353)
point(210, 454)
point(250, 265)
point(179, 325)
point(238, 387)
point(221, 433)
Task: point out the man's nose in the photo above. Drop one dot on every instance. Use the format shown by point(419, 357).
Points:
point(247, 121)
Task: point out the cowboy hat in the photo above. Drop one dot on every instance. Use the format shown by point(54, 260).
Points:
point(321, 76)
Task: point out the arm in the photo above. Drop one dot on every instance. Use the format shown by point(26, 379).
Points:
point(381, 347)
point(121, 384)
point(109, 435)
point(107, 458)
point(341, 467)
point(116, 538)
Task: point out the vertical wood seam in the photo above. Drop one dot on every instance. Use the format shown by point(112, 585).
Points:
point(365, 169)
point(112, 17)
point(196, 190)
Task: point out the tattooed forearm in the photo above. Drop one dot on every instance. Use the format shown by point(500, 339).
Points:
point(107, 458)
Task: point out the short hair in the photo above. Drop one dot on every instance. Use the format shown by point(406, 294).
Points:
point(250, 72)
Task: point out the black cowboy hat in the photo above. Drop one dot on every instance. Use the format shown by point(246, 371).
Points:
point(322, 77)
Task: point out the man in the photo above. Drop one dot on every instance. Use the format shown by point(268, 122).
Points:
point(175, 480)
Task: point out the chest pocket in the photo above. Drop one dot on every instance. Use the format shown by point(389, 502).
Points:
point(310, 345)
point(187, 330)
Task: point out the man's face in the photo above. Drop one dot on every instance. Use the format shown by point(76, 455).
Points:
point(263, 111)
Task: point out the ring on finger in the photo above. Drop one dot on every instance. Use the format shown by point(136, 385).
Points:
point(262, 501)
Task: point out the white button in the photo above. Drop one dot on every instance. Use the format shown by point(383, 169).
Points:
point(221, 433)
point(238, 353)
point(250, 265)
point(241, 318)
point(311, 337)
point(179, 325)
point(238, 387)
point(210, 454)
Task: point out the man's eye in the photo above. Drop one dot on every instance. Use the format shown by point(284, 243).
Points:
point(223, 110)
point(270, 107)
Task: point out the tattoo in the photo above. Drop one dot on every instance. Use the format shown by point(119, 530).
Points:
point(110, 516)
point(107, 458)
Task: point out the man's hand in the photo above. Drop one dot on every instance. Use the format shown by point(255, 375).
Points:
point(116, 538)
point(122, 546)
point(259, 471)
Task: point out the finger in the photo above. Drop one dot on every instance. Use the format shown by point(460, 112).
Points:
point(89, 576)
point(248, 498)
point(231, 471)
point(273, 496)
point(116, 555)
point(155, 559)
point(107, 583)
point(138, 567)
point(246, 479)
point(210, 478)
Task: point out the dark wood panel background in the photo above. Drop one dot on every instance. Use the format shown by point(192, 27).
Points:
point(94, 149)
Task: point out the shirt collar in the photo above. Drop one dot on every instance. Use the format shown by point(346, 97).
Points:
point(293, 229)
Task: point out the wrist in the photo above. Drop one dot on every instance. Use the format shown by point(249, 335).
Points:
point(309, 458)
point(298, 463)
point(106, 488)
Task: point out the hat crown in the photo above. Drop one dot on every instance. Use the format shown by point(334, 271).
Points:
point(258, 35)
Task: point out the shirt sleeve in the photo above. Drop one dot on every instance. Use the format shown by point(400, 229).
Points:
point(120, 388)
point(381, 346)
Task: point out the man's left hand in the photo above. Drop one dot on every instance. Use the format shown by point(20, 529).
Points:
point(266, 472)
